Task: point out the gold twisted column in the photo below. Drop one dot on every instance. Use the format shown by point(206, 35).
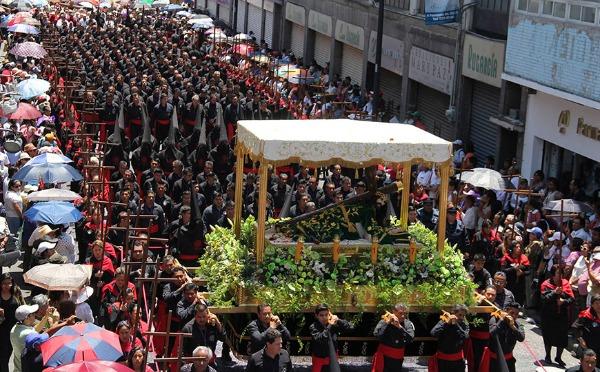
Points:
point(262, 211)
point(239, 187)
point(443, 204)
point(405, 194)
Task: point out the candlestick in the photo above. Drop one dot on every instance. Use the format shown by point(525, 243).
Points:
point(299, 248)
point(374, 248)
point(335, 253)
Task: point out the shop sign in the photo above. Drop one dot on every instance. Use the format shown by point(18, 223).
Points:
point(295, 13)
point(320, 23)
point(585, 129)
point(431, 69)
point(483, 60)
point(350, 34)
point(392, 52)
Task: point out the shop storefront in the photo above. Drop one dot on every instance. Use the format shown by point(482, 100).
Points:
point(241, 16)
point(268, 7)
point(295, 15)
point(225, 11)
point(255, 19)
point(434, 74)
point(211, 5)
point(353, 43)
point(483, 60)
point(562, 138)
point(392, 63)
point(322, 26)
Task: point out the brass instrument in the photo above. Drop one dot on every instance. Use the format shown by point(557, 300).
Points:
point(387, 317)
point(332, 318)
point(445, 317)
point(274, 321)
point(212, 318)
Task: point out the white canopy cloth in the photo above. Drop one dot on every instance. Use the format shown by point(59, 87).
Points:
point(351, 142)
point(57, 277)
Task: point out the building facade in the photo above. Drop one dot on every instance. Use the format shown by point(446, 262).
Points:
point(422, 66)
point(553, 52)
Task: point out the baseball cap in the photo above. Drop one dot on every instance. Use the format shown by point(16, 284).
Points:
point(556, 236)
point(457, 142)
point(536, 231)
point(24, 311)
point(44, 246)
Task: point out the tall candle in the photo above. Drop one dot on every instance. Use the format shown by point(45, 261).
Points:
point(299, 248)
point(374, 247)
point(335, 252)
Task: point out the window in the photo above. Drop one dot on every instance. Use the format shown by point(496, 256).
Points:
point(582, 13)
point(554, 8)
point(530, 6)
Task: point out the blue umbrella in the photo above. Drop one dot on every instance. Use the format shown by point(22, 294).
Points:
point(49, 173)
point(173, 7)
point(39, 3)
point(32, 87)
point(54, 213)
point(24, 29)
point(49, 158)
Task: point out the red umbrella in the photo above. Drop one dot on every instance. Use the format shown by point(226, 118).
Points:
point(81, 342)
point(25, 111)
point(243, 49)
point(95, 366)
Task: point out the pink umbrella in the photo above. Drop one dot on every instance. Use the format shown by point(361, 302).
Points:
point(29, 49)
point(214, 30)
point(243, 49)
point(25, 111)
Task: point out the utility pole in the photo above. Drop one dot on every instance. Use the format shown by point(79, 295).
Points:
point(378, 52)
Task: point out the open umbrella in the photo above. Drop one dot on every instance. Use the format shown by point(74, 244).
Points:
point(40, 3)
point(243, 49)
point(203, 25)
point(32, 87)
point(569, 206)
point(25, 111)
point(81, 342)
point(30, 22)
point(24, 14)
point(29, 49)
point(484, 177)
point(58, 277)
point(53, 195)
point(184, 13)
point(94, 366)
point(49, 158)
point(53, 212)
point(24, 29)
point(160, 3)
point(172, 7)
point(200, 20)
point(242, 37)
point(49, 173)
point(87, 5)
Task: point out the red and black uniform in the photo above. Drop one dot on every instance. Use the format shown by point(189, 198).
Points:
point(554, 315)
point(479, 338)
point(321, 336)
point(392, 340)
point(507, 339)
point(111, 294)
point(189, 118)
point(108, 116)
point(449, 356)
point(133, 115)
point(161, 116)
point(587, 327)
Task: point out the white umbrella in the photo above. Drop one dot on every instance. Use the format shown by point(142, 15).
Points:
point(484, 177)
point(184, 13)
point(201, 16)
point(200, 20)
point(59, 277)
point(87, 5)
point(569, 206)
point(53, 194)
point(160, 3)
point(242, 37)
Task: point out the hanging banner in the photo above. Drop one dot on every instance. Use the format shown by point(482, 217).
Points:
point(441, 11)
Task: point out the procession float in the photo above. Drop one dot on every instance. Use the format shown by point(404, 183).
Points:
point(355, 254)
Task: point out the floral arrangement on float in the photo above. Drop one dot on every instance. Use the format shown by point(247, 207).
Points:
point(296, 276)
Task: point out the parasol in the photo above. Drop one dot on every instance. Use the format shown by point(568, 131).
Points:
point(81, 342)
point(242, 37)
point(24, 29)
point(214, 30)
point(160, 3)
point(24, 14)
point(40, 3)
point(53, 212)
point(49, 173)
point(86, 5)
point(29, 49)
point(53, 195)
point(30, 22)
point(243, 49)
point(32, 87)
point(202, 25)
point(485, 178)
point(25, 111)
point(172, 7)
point(58, 277)
point(184, 13)
point(93, 366)
point(569, 206)
point(49, 158)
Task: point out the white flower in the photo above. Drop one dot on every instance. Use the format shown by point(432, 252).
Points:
point(370, 273)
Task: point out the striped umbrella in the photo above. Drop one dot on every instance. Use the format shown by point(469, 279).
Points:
point(81, 342)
